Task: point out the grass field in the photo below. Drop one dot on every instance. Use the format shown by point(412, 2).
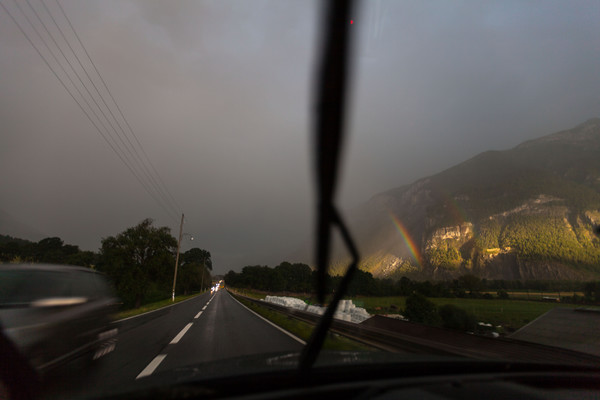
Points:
point(511, 314)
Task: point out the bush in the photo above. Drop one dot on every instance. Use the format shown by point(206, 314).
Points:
point(454, 317)
point(502, 294)
point(420, 309)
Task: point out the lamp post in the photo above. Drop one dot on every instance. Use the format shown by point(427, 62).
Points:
point(181, 234)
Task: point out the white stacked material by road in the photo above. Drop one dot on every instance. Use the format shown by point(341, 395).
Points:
point(316, 309)
point(346, 310)
point(286, 302)
point(350, 312)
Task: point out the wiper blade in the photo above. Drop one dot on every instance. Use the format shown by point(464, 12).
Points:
point(328, 141)
point(311, 351)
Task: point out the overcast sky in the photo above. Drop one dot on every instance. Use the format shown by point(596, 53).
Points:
point(219, 94)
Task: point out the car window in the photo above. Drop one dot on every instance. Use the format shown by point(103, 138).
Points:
point(84, 285)
point(27, 286)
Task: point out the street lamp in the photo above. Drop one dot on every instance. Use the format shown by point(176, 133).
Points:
point(181, 234)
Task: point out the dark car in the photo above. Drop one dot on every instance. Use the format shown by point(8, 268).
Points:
point(56, 313)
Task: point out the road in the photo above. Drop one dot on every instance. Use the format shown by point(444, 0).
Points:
point(204, 328)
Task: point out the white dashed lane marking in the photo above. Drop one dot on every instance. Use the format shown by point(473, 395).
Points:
point(152, 366)
point(177, 338)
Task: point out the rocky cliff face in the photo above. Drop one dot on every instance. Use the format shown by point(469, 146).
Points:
point(458, 235)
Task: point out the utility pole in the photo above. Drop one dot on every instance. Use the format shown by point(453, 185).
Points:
point(177, 258)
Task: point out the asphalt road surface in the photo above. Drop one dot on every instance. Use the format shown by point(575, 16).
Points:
point(202, 329)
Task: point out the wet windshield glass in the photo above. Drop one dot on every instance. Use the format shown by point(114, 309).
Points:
point(173, 148)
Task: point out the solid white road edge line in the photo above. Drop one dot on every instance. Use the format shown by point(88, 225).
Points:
point(199, 314)
point(177, 338)
point(296, 338)
point(152, 366)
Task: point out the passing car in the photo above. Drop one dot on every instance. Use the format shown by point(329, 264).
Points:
point(54, 314)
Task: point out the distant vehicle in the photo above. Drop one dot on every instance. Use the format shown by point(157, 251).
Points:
point(54, 313)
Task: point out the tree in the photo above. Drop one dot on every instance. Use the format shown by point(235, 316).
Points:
point(139, 260)
point(50, 250)
point(233, 279)
point(194, 270)
point(420, 309)
point(83, 258)
point(454, 317)
point(470, 282)
point(297, 277)
point(444, 256)
point(198, 256)
point(404, 286)
point(592, 291)
point(362, 283)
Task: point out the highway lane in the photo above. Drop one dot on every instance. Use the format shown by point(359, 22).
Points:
point(225, 329)
point(202, 329)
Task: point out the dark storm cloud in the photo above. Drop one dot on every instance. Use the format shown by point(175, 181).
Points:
point(219, 94)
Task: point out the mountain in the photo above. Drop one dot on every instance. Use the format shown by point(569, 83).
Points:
point(524, 213)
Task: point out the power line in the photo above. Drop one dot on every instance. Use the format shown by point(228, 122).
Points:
point(130, 149)
point(167, 201)
point(117, 105)
point(160, 186)
point(65, 86)
point(112, 145)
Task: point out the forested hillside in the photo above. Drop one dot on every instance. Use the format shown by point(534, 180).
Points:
point(524, 213)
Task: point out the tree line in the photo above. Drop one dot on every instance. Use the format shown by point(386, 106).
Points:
point(139, 261)
point(300, 278)
point(50, 250)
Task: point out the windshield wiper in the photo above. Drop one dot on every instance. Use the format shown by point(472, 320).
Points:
point(329, 131)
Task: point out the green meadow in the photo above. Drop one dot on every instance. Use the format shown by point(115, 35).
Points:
point(511, 314)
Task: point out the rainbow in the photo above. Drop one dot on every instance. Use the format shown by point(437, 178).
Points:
point(410, 243)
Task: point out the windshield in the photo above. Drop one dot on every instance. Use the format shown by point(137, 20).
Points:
point(176, 147)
